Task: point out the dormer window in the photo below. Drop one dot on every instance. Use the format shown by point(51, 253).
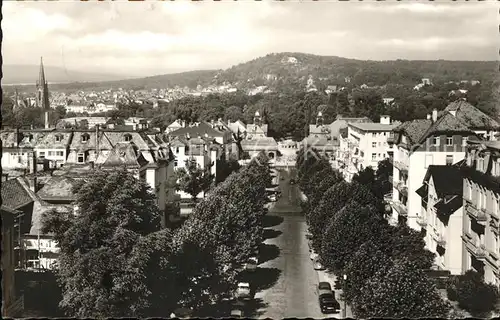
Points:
point(435, 141)
point(80, 157)
point(58, 138)
point(128, 137)
point(449, 141)
point(85, 137)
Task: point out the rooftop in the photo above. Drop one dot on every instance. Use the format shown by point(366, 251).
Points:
point(14, 195)
point(366, 126)
point(58, 189)
point(447, 179)
point(471, 116)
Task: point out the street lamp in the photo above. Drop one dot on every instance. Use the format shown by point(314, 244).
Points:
point(344, 310)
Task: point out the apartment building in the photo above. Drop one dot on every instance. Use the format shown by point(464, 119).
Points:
point(481, 220)
point(366, 145)
point(438, 140)
point(441, 215)
point(8, 260)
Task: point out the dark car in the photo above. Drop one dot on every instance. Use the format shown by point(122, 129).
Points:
point(292, 181)
point(328, 303)
point(323, 285)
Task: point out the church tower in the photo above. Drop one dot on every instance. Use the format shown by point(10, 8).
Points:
point(319, 119)
point(42, 94)
point(257, 119)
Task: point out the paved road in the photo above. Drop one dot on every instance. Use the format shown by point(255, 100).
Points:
point(294, 291)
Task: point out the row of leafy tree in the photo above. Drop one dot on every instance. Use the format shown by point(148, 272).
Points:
point(385, 265)
point(116, 260)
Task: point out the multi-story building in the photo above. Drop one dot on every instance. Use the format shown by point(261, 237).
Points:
point(321, 138)
point(256, 140)
point(481, 219)
point(438, 140)
point(366, 144)
point(441, 216)
point(8, 260)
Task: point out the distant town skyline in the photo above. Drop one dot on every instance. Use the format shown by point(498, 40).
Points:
point(147, 38)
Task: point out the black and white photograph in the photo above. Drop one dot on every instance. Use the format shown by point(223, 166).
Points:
point(250, 159)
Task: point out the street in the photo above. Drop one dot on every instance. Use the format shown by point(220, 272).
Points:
point(293, 289)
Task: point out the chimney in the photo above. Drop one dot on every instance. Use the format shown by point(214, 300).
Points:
point(17, 138)
point(47, 120)
point(428, 116)
point(434, 115)
point(385, 119)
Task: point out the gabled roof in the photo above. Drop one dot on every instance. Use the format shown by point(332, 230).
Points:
point(125, 154)
point(446, 123)
point(472, 116)
point(414, 129)
point(58, 189)
point(447, 180)
point(117, 137)
point(201, 129)
point(14, 194)
point(50, 140)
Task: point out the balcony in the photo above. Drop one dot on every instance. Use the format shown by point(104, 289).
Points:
point(403, 167)
point(480, 252)
point(421, 221)
point(400, 208)
point(478, 214)
point(402, 188)
point(441, 240)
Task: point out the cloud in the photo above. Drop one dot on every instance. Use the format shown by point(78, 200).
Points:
point(168, 36)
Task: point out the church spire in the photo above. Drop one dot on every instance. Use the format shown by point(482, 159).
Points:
point(42, 99)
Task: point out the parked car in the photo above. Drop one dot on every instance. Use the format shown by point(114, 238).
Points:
point(243, 291)
point(309, 236)
point(273, 198)
point(317, 265)
point(237, 309)
point(310, 244)
point(328, 303)
point(251, 264)
point(323, 285)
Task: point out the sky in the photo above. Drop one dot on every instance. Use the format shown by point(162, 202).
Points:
point(157, 37)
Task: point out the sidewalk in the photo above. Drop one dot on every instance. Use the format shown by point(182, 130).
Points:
point(331, 278)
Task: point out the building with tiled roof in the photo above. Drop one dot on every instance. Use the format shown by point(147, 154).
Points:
point(441, 215)
point(54, 146)
point(481, 204)
point(438, 140)
point(257, 129)
point(365, 146)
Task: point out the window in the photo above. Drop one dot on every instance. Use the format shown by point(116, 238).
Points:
point(85, 137)
point(128, 137)
point(449, 141)
point(464, 141)
point(59, 153)
point(374, 156)
point(374, 144)
point(177, 150)
point(51, 153)
point(175, 163)
point(41, 154)
point(449, 160)
point(58, 138)
point(80, 157)
point(435, 141)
